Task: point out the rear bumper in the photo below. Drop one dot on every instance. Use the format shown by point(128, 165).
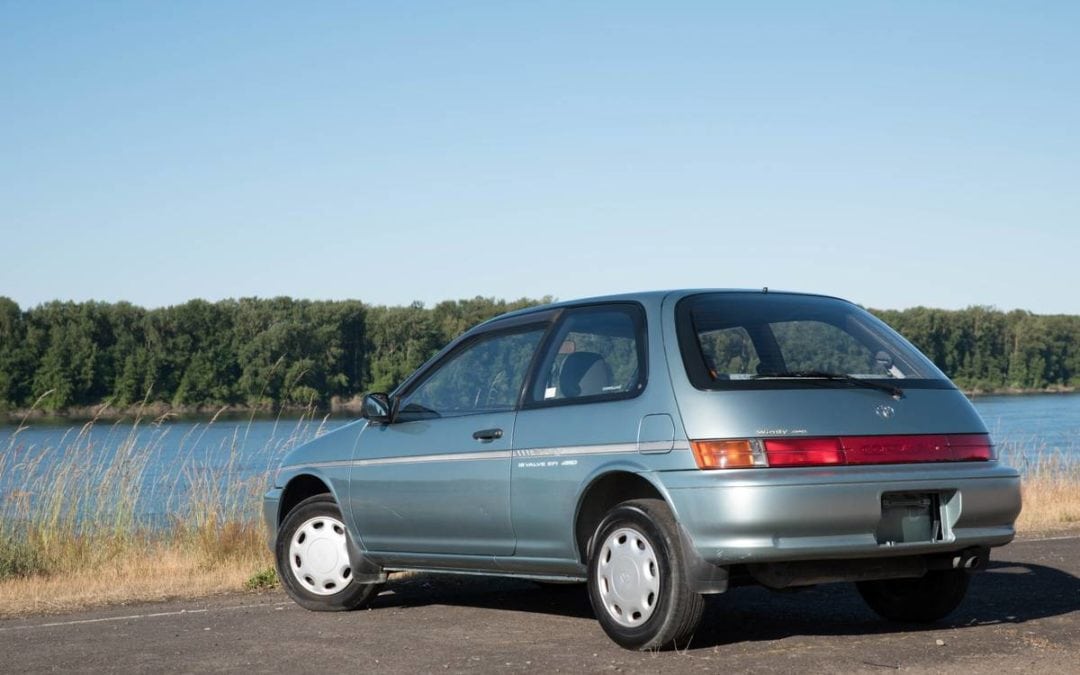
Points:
point(774, 515)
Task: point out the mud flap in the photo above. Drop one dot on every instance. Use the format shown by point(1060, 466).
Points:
point(701, 575)
point(363, 569)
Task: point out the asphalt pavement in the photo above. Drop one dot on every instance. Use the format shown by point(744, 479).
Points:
point(1020, 616)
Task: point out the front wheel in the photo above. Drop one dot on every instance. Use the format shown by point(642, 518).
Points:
point(313, 559)
point(637, 586)
point(923, 600)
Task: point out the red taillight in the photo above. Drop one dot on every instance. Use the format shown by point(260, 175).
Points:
point(804, 452)
point(794, 452)
point(895, 449)
point(971, 448)
point(905, 449)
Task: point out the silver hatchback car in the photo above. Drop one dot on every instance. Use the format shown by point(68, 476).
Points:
point(658, 446)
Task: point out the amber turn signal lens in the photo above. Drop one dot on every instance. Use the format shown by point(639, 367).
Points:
point(723, 454)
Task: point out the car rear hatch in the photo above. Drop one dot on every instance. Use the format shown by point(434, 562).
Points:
point(786, 380)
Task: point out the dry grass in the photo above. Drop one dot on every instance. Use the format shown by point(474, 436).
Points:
point(1050, 504)
point(1051, 490)
point(155, 571)
point(73, 533)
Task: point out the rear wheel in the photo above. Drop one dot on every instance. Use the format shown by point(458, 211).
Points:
point(637, 586)
point(313, 559)
point(924, 600)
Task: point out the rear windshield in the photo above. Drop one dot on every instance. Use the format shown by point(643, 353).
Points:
point(763, 340)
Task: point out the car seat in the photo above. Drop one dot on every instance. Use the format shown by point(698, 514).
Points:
point(584, 374)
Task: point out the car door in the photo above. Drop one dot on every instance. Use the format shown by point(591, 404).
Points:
point(584, 410)
point(437, 479)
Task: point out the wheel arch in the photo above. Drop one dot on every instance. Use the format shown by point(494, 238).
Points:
point(299, 488)
point(309, 484)
point(603, 493)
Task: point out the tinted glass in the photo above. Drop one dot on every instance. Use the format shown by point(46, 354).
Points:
point(596, 352)
point(729, 350)
point(485, 376)
point(728, 339)
point(814, 345)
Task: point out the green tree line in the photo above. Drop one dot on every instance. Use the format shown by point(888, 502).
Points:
point(281, 351)
point(987, 349)
point(247, 352)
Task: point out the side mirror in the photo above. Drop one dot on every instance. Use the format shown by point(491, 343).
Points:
point(377, 408)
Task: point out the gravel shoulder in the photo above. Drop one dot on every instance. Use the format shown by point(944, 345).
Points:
point(1020, 615)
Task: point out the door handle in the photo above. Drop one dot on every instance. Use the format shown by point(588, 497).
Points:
point(487, 434)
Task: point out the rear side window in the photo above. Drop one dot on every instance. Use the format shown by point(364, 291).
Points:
point(759, 340)
point(596, 353)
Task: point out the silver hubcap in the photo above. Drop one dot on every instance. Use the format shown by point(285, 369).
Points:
point(318, 556)
point(628, 577)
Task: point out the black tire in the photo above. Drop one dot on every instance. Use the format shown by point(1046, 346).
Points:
point(922, 600)
point(343, 596)
point(675, 611)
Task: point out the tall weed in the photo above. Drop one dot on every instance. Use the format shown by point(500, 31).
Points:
point(81, 504)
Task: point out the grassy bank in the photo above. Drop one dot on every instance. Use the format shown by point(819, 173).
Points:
point(126, 569)
point(1051, 488)
point(72, 533)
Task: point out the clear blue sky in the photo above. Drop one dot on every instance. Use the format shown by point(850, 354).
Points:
point(895, 154)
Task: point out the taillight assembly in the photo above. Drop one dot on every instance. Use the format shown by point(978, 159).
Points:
point(804, 452)
point(841, 450)
point(971, 448)
point(728, 454)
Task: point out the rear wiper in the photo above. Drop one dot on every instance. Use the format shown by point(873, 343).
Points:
point(896, 392)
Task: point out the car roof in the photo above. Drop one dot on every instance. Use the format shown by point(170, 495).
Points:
point(645, 297)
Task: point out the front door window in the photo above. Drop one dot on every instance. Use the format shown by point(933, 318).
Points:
point(484, 377)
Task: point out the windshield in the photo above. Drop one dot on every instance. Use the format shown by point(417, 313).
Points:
point(778, 340)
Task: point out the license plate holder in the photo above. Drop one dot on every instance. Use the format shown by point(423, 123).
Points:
point(909, 518)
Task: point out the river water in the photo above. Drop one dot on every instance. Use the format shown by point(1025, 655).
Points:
point(171, 468)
